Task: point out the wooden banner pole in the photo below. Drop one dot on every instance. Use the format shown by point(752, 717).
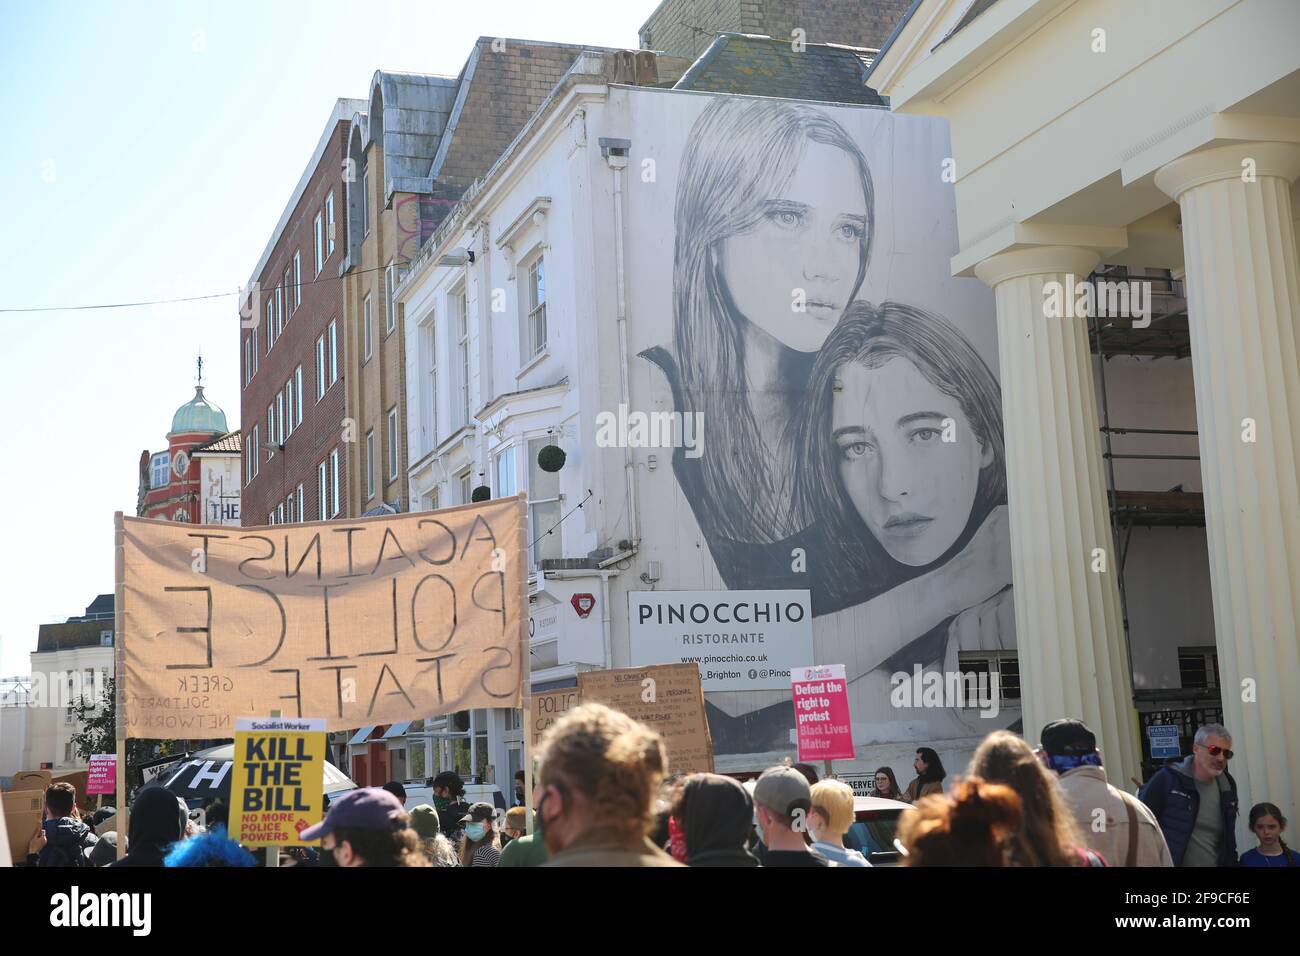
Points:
point(525, 666)
point(119, 677)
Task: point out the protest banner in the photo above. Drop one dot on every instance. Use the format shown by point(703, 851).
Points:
point(821, 712)
point(31, 780)
point(23, 812)
point(548, 707)
point(371, 621)
point(665, 697)
point(277, 780)
point(102, 777)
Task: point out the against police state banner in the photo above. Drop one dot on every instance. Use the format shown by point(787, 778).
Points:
point(370, 621)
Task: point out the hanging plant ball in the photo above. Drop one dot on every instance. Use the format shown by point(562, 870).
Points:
point(481, 493)
point(551, 458)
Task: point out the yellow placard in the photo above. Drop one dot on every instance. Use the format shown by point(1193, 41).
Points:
point(277, 781)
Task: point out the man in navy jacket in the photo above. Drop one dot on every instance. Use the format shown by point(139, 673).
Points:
point(1196, 802)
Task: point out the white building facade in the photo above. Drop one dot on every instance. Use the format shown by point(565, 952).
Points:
point(580, 297)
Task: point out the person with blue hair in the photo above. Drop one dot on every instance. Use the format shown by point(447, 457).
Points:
point(211, 848)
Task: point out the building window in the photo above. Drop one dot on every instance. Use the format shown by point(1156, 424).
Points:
point(536, 340)
point(431, 499)
point(431, 403)
point(297, 392)
point(334, 351)
point(250, 455)
point(297, 278)
point(390, 314)
point(279, 419)
point(543, 506)
point(461, 324)
point(1198, 668)
point(288, 387)
point(270, 518)
point(334, 483)
point(318, 230)
point(279, 306)
point(255, 352)
point(248, 360)
point(160, 470)
point(279, 513)
point(291, 502)
point(983, 665)
point(329, 224)
point(365, 203)
point(322, 491)
point(367, 331)
point(257, 448)
point(392, 443)
point(105, 638)
point(463, 481)
point(320, 368)
point(370, 464)
point(270, 325)
point(507, 482)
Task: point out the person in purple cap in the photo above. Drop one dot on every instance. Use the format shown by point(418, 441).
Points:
point(367, 827)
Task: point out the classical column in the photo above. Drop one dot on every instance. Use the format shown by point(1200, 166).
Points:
point(1070, 639)
point(1243, 305)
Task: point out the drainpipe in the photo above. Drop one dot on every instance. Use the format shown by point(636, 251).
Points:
point(615, 152)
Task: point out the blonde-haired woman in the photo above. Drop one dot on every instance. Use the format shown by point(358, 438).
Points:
point(829, 820)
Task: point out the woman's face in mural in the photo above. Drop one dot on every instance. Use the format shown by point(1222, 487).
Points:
point(913, 490)
point(807, 249)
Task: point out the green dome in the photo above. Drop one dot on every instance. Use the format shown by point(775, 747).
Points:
point(198, 415)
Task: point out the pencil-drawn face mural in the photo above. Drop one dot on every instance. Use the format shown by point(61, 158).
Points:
point(853, 421)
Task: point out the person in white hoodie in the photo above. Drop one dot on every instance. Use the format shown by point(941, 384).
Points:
point(1118, 826)
point(829, 819)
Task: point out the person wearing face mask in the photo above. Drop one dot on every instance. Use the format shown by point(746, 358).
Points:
point(367, 827)
point(714, 815)
point(600, 771)
point(829, 820)
point(481, 846)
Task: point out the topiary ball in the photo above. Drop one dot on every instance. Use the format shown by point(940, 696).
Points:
point(551, 458)
point(481, 493)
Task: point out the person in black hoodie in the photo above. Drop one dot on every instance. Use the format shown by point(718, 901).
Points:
point(156, 821)
point(715, 814)
point(62, 840)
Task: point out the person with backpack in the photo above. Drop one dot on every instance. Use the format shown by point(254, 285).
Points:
point(63, 839)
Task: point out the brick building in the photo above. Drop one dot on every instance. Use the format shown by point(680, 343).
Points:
point(687, 27)
point(291, 345)
point(422, 142)
point(170, 483)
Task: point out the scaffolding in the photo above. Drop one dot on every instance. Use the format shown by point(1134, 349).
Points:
point(1165, 337)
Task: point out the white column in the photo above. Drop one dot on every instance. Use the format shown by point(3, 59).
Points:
point(1243, 304)
point(1070, 640)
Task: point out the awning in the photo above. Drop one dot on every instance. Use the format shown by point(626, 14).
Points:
point(360, 736)
point(396, 730)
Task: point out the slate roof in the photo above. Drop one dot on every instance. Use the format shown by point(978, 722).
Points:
point(228, 443)
point(764, 66)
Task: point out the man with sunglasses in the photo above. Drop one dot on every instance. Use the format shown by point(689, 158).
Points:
point(1196, 802)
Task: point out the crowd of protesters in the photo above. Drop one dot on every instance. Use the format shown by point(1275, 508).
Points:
point(602, 799)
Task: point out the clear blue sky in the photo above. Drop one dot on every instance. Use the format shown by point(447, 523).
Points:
point(149, 150)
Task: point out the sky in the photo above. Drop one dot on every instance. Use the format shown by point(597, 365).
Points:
point(149, 149)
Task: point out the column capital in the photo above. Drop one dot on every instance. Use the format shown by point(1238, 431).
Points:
point(1226, 162)
point(1037, 260)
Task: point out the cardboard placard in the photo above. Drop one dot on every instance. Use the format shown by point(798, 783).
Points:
point(548, 707)
point(665, 697)
point(31, 780)
point(277, 780)
point(23, 811)
point(371, 621)
point(821, 712)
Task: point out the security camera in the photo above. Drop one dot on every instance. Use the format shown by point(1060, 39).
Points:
point(457, 257)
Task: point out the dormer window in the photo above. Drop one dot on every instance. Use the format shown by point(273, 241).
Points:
point(159, 470)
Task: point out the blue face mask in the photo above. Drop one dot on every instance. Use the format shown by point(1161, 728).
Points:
point(475, 831)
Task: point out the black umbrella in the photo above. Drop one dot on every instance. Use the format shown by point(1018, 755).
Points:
point(206, 776)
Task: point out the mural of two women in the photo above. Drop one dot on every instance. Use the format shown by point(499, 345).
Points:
point(865, 437)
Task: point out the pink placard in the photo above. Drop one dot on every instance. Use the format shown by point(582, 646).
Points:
point(821, 712)
point(103, 774)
